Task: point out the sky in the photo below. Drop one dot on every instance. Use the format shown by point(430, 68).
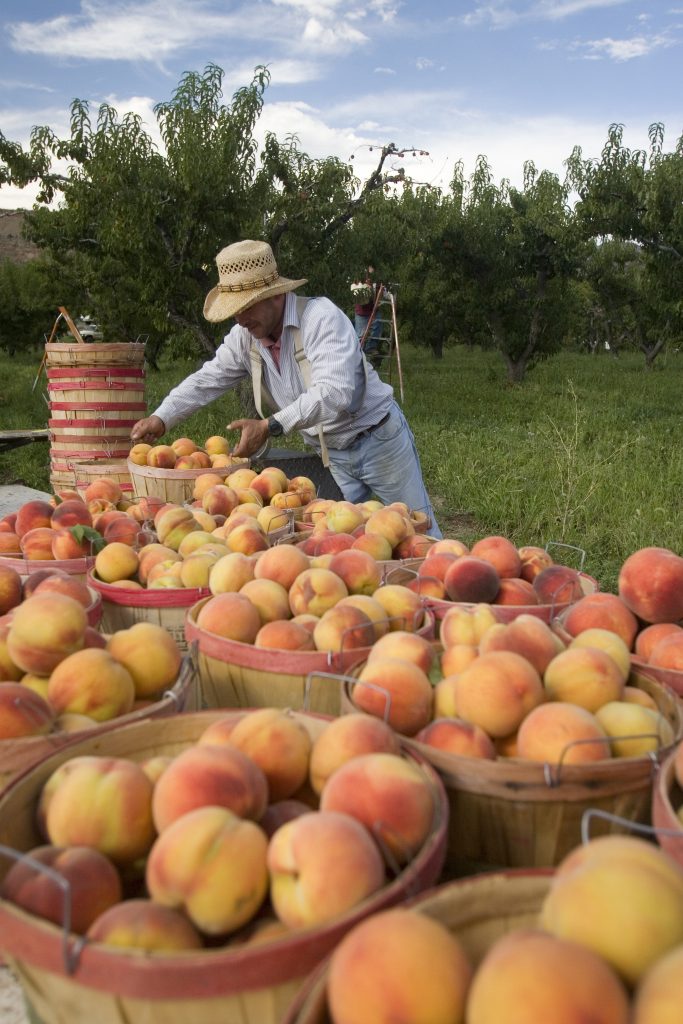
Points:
point(513, 80)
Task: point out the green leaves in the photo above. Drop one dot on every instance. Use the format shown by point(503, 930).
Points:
point(82, 533)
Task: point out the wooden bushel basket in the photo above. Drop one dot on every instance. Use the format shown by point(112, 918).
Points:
point(112, 353)
point(17, 755)
point(77, 567)
point(477, 910)
point(240, 984)
point(173, 485)
point(667, 799)
point(512, 813)
point(238, 675)
point(86, 471)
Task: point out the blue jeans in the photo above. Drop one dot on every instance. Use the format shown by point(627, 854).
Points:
point(372, 340)
point(384, 463)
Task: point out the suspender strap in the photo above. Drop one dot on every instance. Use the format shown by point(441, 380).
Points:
point(305, 368)
point(262, 397)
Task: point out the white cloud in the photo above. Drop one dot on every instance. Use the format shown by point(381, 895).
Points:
point(502, 14)
point(625, 49)
point(385, 71)
point(332, 38)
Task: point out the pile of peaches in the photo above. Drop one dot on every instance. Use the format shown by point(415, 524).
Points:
point(57, 673)
point(606, 947)
point(184, 453)
point(258, 827)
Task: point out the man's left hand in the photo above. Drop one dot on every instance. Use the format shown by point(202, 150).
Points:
point(254, 436)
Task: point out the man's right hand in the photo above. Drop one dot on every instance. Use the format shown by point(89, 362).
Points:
point(150, 429)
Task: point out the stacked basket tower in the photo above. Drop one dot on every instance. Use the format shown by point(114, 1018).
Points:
point(96, 392)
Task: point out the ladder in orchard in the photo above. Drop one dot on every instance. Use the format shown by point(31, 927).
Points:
point(387, 351)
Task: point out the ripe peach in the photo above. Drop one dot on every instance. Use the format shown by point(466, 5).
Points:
point(658, 996)
point(71, 513)
point(635, 731)
point(559, 732)
point(219, 500)
point(248, 538)
point(105, 489)
point(359, 571)
point(456, 736)
point(153, 554)
point(36, 545)
point(284, 635)
point(526, 635)
point(557, 585)
point(69, 585)
point(217, 445)
point(279, 744)
point(397, 691)
point(124, 531)
point(342, 629)
point(316, 590)
point(232, 616)
point(139, 452)
point(44, 629)
point(66, 545)
point(162, 456)
point(304, 487)
point(11, 590)
point(144, 925)
point(404, 609)
point(9, 544)
point(457, 657)
point(601, 611)
point(648, 638)
point(23, 712)
point(241, 478)
point(407, 646)
point(211, 865)
point(437, 565)
point(501, 553)
point(270, 599)
point(375, 545)
point(466, 625)
point(330, 543)
point(195, 570)
point(471, 579)
point(282, 564)
point(91, 682)
point(534, 560)
point(609, 642)
point(668, 652)
point(390, 523)
point(516, 592)
point(267, 485)
point(33, 515)
point(586, 676)
point(278, 814)
point(173, 524)
point(9, 671)
point(150, 654)
point(195, 540)
point(345, 738)
point(416, 546)
point(496, 691)
point(321, 865)
point(116, 561)
point(231, 572)
point(651, 584)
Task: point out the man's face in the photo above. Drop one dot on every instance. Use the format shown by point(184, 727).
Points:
point(263, 318)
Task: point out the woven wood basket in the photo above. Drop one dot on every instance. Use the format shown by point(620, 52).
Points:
point(477, 910)
point(77, 567)
point(238, 675)
point(173, 485)
point(87, 471)
point(96, 385)
point(94, 427)
point(667, 800)
point(220, 985)
point(511, 813)
point(113, 353)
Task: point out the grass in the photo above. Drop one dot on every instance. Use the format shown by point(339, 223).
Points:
point(586, 452)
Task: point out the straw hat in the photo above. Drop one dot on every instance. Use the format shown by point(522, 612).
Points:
point(247, 273)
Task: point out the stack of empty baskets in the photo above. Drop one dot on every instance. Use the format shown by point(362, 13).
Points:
point(96, 393)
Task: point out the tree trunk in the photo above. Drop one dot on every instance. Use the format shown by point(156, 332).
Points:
point(436, 346)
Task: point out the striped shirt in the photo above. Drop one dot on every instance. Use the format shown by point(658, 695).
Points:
point(339, 397)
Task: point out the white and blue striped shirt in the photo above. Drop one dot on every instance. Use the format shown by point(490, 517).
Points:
point(339, 397)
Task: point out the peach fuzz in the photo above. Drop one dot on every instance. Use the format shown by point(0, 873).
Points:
point(44, 629)
point(659, 995)
point(648, 638)
point(315, 590)
point(209, 774)
point(230, 573)
point(230, 615)
point(116, 561)
point(404, 609)
point(601, 611)
point(398, 965)
point(101, 802)
point(388, 794)
point(497, 691)
point(372, 608)
point(650, 583)
point(173, 524)
point(91, 682)
point(211, 865)
point(407, 646)
point(219, 500)
point(144, 925)
point(501, 553)
point(217, 444)
point(124, 531)
point(9, 544)
point(345, 738)
point(248, 538)
point(71, 586)
point(272, 519)
point(195, 540)
point(267, 485)
point(391, 524)
point(437, 565)
point(285, 635)
point(321, 865)
point(586, 676)
point(668, 652)
point(526, 635)
point(343, 628)
point(139, 452)
point(103, 488)
point(281, 563)
point(162, 456)
point(150, 654)
point(534, 560)
point(558, 585)
point(23, 712)
point(466, 625)
point(36, 545)
point(270, 599)
point(471, 579)
point(586, 904)
point(11, 588)
point(456, 736)
point(94, 885)
point(195, 570)
point(559, 732)
point(609, 642)
point(395, 690)
point(529, 976)
point(457, 657)
point(373, 544)
point(279, 744)
point(635, 731)
point(71, 513)
point(240, 479)
point(516, 593)
point(33, 515)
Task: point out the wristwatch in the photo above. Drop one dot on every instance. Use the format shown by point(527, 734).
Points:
point(275, 428)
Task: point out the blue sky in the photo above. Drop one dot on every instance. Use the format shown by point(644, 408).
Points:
point(510, 79)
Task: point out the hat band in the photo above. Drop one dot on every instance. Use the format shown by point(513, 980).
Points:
point(261, 282)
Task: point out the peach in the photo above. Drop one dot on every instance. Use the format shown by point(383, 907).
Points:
point(668, 652)
point(456, 736)
point(69, 585)
point(315, 590)
point(633, 695)
point(282, 564)
point(248, 496)
point(388, 794)
point(373, 544)
point(241, 478)
point(516, 592)
point(195, 540)
point(278, 814)
point(321, 865)
point(372, 608)
point(183, 446)
point(359, 571)
point(466, 625)
point(8, 522)
point(125, 531)
point(304, 487)
point(248, 538)
point(501, 553)
point(345, 738)
point(559, 732)
point(32, 581)
point(150, 655)
point(389, 523)
point(437, 565)
point(650, 583)
point(586, 904)
point(208, 774)
point(116, 561)
point(285, 635)
point(9, 544)
point(232, 616)
point(557, 585)
point(457, 657)
point(267, 485)
point(450, 545)
point(344, 517)
point(404, 609)
point(497, 691)
point(33, 515)
point(330, 543)
point(11, 589)
point(648, 638)
point(611, 643)
point(105, 489)
point(211, 865)
point(139, 452)
point(208, 523)
point(343, 628)
point(270, 599)
point(168, 571)
point(65, 544)
point(416, 546)
point(471, 579)
point(93, 883)
point(9, 671)
point(101, 802)
point(71, 513)
point(271, 519)
point(91, 682)
point(23, 712)
point(173, 524)
point(162, 456)
point(407, 646)
point(526, 635)
point(586, 676)
point(230, 573)
point(658, 997)
point(534, 560)
point(44, 630)
point(219, 500)
point(545, 978)
point(635, 731)
point(202, 460)
point(445, 693)
point(397, 691)
point(144, 925)
point(153, 554)
point(217, 445)
point(195, 571)
point(601, 611)
point(36, 545)
point(279, 744)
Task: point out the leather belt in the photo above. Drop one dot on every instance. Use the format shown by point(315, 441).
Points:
point(369, 430)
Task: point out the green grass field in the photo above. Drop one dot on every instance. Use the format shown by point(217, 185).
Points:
point(586, 452)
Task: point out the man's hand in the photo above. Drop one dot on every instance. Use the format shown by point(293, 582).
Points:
point(254, 436)
point(150, 429)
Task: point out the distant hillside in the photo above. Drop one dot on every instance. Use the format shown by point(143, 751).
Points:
point(13, 245)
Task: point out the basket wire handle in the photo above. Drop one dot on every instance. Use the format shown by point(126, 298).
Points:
point(312, 677)
point(71, 947)
point(569, 547)
point(553, 781)
point(636, 826)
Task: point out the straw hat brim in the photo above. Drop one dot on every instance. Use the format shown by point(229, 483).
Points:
point(221, 305)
